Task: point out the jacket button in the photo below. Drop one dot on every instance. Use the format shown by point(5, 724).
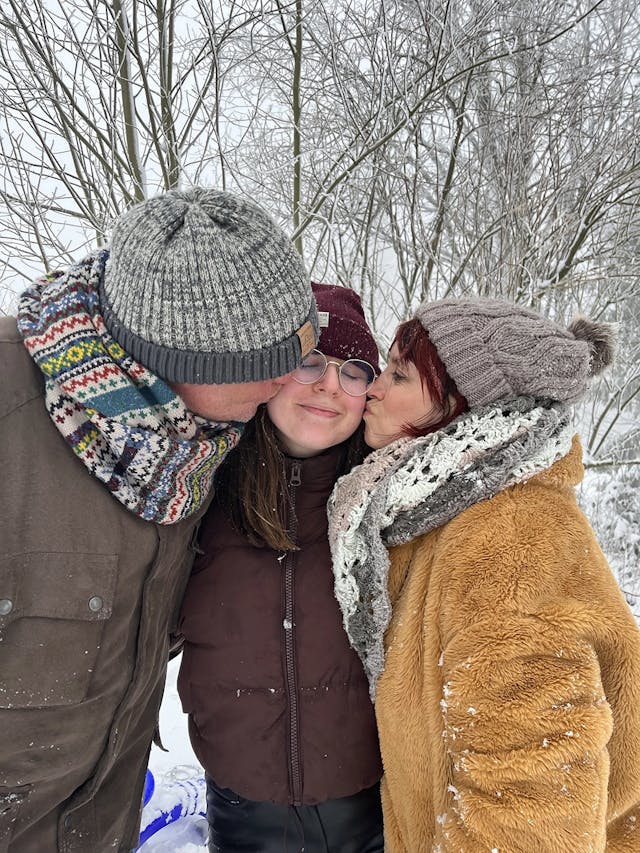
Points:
point(6, 606)
point(95, 603)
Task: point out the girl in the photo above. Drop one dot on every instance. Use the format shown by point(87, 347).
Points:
point(504, 660)
point(279, 712)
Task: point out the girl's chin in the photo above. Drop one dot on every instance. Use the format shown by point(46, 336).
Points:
point(292, 446)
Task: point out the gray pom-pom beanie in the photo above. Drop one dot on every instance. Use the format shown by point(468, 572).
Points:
point(497, 350)
point(202, 286)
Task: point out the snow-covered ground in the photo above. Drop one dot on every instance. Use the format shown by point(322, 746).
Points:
point(178, 779)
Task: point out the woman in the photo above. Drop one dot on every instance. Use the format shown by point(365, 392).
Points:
point(278, 703)
point(504, 661)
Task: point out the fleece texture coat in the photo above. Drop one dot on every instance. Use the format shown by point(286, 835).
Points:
point(509, 706)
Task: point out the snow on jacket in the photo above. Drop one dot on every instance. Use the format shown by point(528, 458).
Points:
point(509, 706)
point(88, 592)
point(277, 700)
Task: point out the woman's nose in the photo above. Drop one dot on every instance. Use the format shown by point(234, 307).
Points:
point(377, 389)
point(330, 379)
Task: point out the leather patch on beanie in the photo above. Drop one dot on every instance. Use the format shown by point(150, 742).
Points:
point(307, 337)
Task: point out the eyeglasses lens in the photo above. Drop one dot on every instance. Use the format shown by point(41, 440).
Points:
point(355, 376)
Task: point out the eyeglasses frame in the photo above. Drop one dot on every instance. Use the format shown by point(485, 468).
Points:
point(339, 367)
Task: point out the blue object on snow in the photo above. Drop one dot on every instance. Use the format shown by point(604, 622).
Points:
point(149, 787)
point(189, 797)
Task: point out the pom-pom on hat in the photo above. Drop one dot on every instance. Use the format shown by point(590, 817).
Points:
point(202, 286)
point(344, 332)
point(497, 350)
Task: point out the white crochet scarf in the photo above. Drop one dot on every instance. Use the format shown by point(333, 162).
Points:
point(412, 486)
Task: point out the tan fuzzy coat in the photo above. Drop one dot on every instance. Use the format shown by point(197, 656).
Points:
point(509, 708)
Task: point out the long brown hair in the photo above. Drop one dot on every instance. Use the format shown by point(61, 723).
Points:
point(251, 484)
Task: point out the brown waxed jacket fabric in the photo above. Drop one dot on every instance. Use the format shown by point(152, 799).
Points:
point(88, 592)
point(278, 701)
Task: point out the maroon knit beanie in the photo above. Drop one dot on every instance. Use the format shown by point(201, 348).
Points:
point(344, 332)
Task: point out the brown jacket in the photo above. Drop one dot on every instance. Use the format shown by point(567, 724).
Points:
point(509, 707)
point(277, 700)
point(87, 594)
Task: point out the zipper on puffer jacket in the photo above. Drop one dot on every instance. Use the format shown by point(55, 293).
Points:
point(288, 625)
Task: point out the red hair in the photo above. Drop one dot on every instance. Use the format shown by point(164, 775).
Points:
point(415, 346)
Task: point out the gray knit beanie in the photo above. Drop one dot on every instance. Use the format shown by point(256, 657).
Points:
point(497, 350)
point(202, 286)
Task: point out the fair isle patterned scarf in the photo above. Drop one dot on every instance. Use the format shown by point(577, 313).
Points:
point(415, 485)
point(126, 425)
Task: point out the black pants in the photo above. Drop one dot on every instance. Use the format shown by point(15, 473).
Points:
point(344, 825)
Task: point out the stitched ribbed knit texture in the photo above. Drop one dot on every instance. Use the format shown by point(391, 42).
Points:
point(344, 332)
point(127, 426)
point(203, 287)
point(497, 350)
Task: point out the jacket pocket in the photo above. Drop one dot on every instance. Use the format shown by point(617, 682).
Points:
point(53, 609)
point(10, 803)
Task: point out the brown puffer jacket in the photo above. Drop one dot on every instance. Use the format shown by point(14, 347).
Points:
point(277, 700)
point(87, 594)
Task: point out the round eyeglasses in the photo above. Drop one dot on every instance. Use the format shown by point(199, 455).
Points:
point(355, 376)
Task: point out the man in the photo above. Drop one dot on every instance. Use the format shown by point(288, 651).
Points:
point(123, 382)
